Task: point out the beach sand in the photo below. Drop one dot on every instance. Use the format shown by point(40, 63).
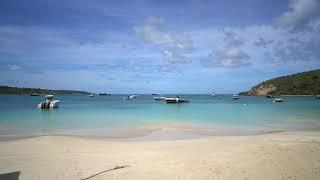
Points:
point(283, 156)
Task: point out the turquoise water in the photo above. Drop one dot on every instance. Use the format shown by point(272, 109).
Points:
point(19, 115)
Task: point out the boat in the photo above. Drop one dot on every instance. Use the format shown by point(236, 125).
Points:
point(104, 94)
point(235, 97)
point(49, 103)
point(213, 94)
point(34, 94)
point(278, 100)
point(132, 97)
point(91, 95)
point(269, 96)
point(318, 97)
point(154, 94)
point(176, 100)
point(159, 98)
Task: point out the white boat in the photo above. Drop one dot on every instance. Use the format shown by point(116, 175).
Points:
point(91, 95)
point(159, 98)
point(132, 97)
point(235, 97)
point(49, 103)
point(278, 100)
point(213, 94)
point(176, 100)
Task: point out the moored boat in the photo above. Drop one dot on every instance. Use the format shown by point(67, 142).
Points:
point(235, 97)
point(34, 94)
point(159, 98)
point(176, 100)
point(132, 97)
point(49, 103)
point(269, 96)
point(278, 100)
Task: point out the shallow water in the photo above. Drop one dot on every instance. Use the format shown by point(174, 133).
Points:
point(82, 114)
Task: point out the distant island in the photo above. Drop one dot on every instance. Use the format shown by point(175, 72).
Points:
point(37, 91)
point(305, 83)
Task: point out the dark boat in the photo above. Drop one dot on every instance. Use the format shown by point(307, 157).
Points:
point(269, 96)
point(34, 94)
point(318, 97)
point(104, 94)
point(176, 100)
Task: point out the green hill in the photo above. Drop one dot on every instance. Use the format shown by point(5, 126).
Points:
point(305, 83)
point(18, 90)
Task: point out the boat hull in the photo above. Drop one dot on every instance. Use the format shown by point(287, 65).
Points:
point(47, 105)
point(158, 98)
point(278, 100)
point(176, 100)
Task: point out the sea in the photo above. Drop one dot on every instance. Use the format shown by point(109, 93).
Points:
point(113, 117)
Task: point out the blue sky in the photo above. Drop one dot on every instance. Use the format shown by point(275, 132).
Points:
point(149, 46)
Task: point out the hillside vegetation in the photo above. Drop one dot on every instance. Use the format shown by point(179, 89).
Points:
point(305, 83)
point(18, 90)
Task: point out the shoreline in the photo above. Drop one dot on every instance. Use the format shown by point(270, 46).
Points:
point(160, 132)
point(301, 95)
point(281, 155)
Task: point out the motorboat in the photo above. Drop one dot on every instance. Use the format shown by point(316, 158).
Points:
point(269, 96)
point(132, 97)
point(34, 94)
point(235, 97)
point(104, 94)
point(159, 98)
point(278, 100)
point(318, 97)
point(91, 95)
point(213, 94)
point(49, 103)
point(176, 100)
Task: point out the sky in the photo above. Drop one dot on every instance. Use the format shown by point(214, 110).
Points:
point(149, 46)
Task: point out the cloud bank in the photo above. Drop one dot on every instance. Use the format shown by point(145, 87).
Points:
point(175, 47)
point(300, 13)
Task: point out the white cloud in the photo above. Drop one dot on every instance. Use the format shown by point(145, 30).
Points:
point(229, 58)
point(298, 49)
point(232, 39)
point(256, 45)
point(175, 58)
point(227, 48)
point(300, 12)
point(174, 46)
point(166, 69)
point(14, 67)
point(261, 42)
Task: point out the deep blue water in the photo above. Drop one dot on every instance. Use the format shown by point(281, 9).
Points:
point(18, 113)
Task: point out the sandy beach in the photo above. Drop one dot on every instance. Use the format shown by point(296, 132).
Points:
point(283, 155)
